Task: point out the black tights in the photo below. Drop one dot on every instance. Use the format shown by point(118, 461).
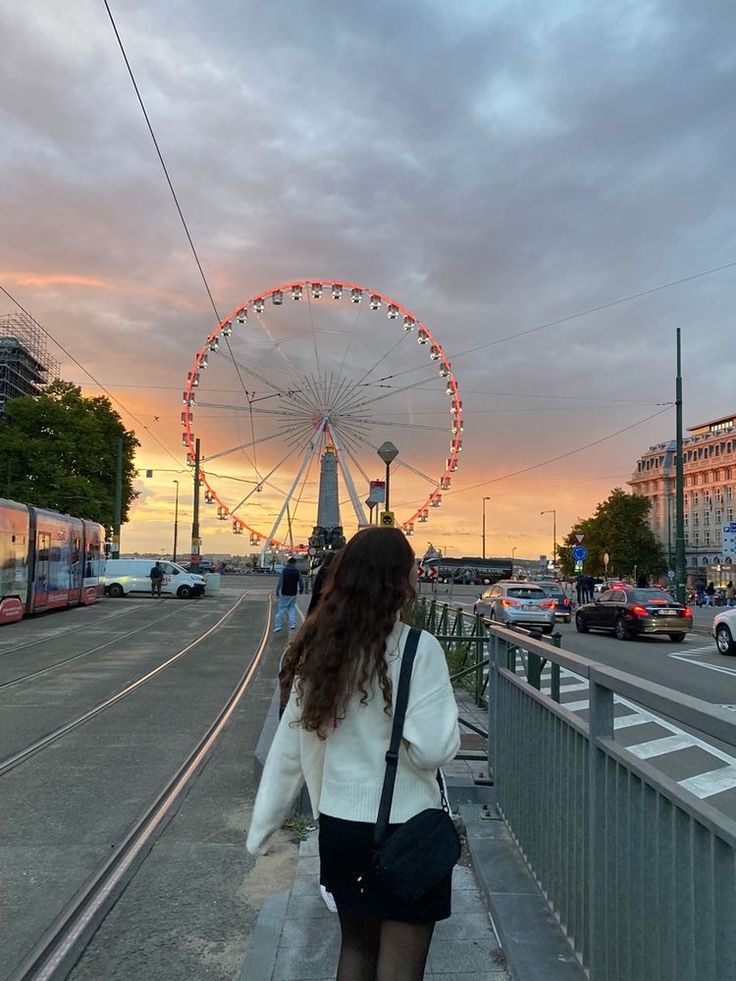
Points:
point(382, 950)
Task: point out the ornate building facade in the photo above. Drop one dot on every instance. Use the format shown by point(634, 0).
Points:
point(709, 458)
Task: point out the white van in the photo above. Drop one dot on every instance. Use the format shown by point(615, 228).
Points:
point(123, 576)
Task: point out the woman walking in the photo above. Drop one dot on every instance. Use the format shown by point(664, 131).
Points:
point(335, 732)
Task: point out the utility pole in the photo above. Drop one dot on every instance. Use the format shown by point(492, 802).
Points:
point(195, 507)
point(483, 534)
point(118, 516)
point(553, 512)
point(680, 571)
point(176, 521)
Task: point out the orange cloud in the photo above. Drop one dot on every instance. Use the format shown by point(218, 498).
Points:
point(61, 279)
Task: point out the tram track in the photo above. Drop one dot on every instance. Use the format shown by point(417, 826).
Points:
point(68, 630)
point(92, 650)
point(23, 755)
point(54, 956)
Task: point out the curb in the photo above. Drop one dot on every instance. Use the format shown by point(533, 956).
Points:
point(529, 935)
point(260, 960)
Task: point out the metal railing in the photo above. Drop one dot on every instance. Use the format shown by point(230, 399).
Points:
point(640, 873)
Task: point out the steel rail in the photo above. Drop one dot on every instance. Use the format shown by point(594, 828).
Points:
point(92, 650)
point(66, 630)
point(10, 762)
point(59, 949)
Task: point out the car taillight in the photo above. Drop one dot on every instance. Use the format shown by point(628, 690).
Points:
point(687, 612)
point(566, 601)
point(639, 611)
point(510, 602)
point(548, 605)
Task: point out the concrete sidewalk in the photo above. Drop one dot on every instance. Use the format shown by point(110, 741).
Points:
point(298, 939)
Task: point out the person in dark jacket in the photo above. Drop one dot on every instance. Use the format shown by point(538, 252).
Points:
point(156, 575)
point(289, 583)
point(319, 580)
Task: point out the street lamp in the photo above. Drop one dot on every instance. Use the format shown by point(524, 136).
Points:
point(176, 520)
point(553, 512)
point(513, 555)
point(483, 501)
point(387, 452)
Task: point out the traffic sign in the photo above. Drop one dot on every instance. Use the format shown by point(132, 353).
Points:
point(387, 519)
point(671, 574)
point(311, 550)
point(579, 537)
point(580, 553)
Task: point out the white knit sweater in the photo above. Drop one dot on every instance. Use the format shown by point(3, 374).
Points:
point(344, 773)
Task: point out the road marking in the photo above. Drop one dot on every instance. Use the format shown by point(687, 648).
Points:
point(702, 785)
point(721, 669)
point(580, 686)
point(659, 747)
point(627, 721)
point(711, 783)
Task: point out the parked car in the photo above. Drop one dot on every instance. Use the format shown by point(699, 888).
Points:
point(628, 611)
point(518, 604)
point(724, 631)
point(563, 605)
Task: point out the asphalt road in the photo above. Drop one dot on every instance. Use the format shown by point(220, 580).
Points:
point(702, 766)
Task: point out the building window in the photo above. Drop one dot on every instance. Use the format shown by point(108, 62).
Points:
point(696, 517)
point(707, 538)
point(718, 517)
point(696, 539)
point(706, 518)
point(729, 515)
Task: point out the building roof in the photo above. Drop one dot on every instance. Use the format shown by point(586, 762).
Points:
point(707, 426)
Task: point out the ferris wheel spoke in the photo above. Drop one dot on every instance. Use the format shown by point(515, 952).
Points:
point(389, 352)
point(401, 462)
point(351, 338)
point(265, 481)
point(308, 454)
point(380, 423)
point(278, 388)
point(241, 446)
point(314, 336)
point(365, 402)
point(278, 349)
point(357, 465)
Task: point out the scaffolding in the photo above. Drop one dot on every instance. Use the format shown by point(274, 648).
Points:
point(25, 363)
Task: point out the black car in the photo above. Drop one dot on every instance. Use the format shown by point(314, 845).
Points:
point(629, 611)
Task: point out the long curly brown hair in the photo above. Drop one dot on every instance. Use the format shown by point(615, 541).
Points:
point(340, 648)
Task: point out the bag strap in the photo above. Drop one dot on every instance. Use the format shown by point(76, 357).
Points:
point(392, 756)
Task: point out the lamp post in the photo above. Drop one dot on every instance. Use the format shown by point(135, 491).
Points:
point(176, 521)
point(553, 512)
point(370, 505)
point(387, 452)
point(513, 556)
point(483, 502)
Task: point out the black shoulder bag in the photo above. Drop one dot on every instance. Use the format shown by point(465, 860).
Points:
point(423, 850)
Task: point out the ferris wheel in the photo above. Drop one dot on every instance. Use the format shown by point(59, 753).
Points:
point(310, 365)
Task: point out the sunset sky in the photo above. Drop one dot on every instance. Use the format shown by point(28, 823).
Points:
point(494, 167)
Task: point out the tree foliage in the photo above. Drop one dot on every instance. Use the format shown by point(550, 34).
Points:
point(619, 527)
point(58, 450)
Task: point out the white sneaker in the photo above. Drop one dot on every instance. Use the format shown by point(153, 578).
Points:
point(276, 629)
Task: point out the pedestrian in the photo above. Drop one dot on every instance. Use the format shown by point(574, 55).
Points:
point(319, 579)
point(156, 575)
point(289, 583)
point(580, 588)
point(699, 592)
point(730, 593)
point(642, 582)
point(334, 735)
point(710, 592)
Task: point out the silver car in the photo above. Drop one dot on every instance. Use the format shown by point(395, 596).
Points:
point(518, 604)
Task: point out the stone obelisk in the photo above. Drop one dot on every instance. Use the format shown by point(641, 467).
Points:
point(327, 534)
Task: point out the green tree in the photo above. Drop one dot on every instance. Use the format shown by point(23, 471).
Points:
point(58, 450)
point(619, 527)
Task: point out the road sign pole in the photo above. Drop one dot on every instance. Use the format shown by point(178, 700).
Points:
point(680, 569)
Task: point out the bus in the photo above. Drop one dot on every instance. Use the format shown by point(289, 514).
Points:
point(47, 560)
point(468, 570)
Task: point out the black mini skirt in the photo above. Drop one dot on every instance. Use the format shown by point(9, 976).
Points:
point(345, 853)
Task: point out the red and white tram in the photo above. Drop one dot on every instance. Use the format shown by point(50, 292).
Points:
point(47, 560)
